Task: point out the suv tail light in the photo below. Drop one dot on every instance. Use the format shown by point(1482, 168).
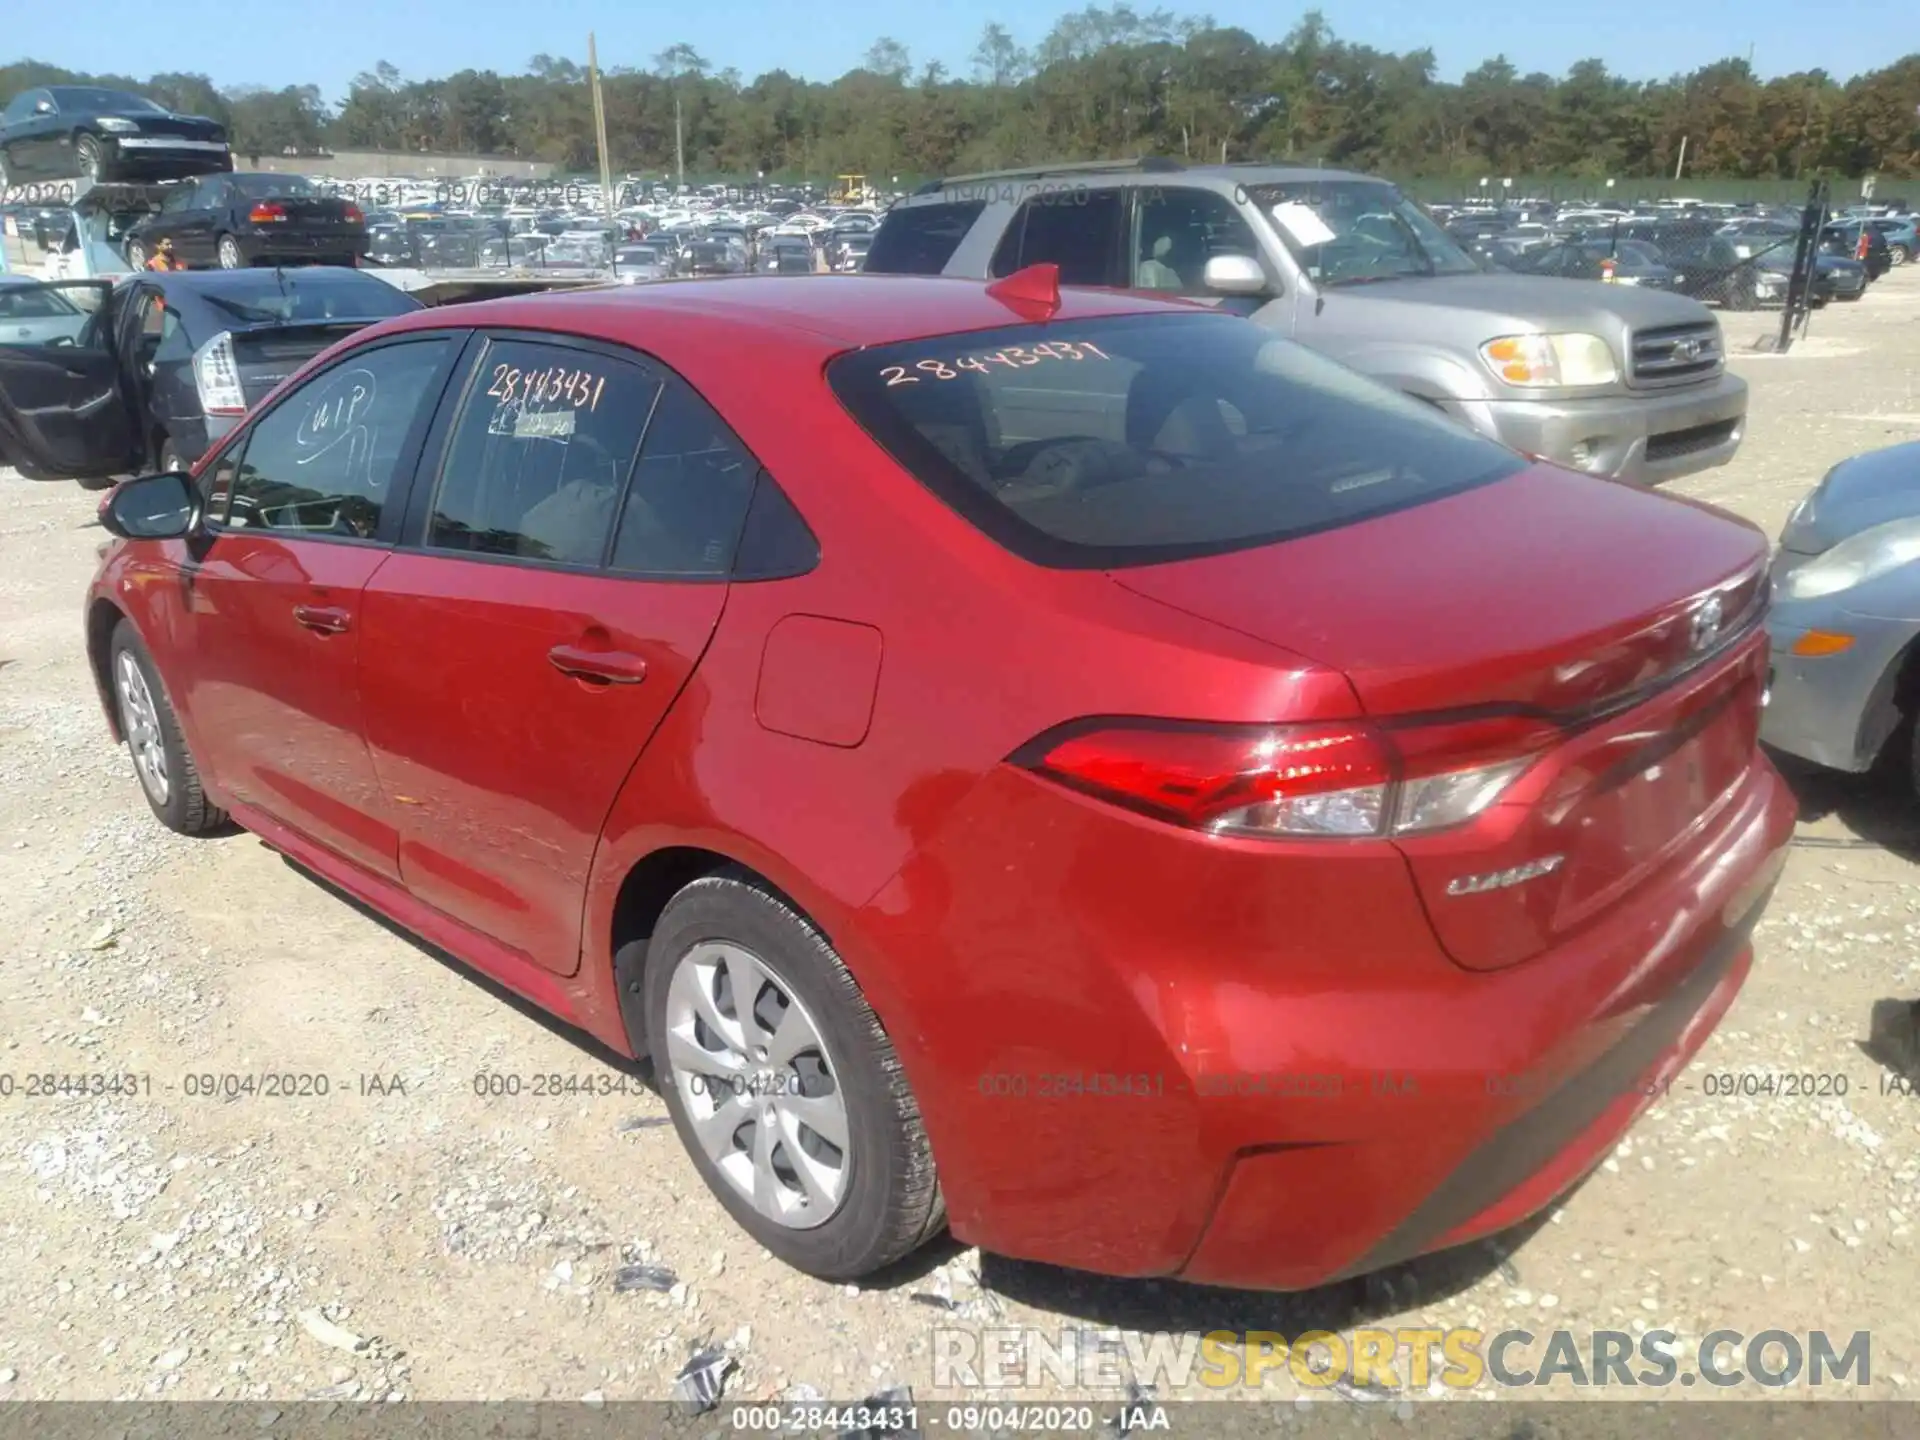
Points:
point(216, 375)
point(267, 212)
point(1346, 778)
point(354, 215)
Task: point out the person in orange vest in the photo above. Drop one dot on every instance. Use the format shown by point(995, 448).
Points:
point(163, 257)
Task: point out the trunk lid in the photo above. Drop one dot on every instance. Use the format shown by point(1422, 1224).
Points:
point(311, 213)
point(1549, 594)
point(268, 355)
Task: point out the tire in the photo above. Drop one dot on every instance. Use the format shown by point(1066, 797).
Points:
point(887, 1202)
point(147, 719)
point(168, 458)
point(97, 482)
point(6, 181)
point(1898, 254)
point(86, 154)
point(136, 255)
point(229, 252)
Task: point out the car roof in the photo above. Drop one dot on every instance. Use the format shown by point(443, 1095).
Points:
point(1115, 173)
point(829, 313)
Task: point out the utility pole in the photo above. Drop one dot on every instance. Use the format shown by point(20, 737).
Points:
point(1682, 163)
point(600, 139)
point(679, 141)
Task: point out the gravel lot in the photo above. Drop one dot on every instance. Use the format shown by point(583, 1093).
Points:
point(162, 1244)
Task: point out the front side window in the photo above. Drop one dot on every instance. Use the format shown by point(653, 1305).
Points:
point(540, 454)
point(1177, 231)
point(1136, 440)
point(324, 460)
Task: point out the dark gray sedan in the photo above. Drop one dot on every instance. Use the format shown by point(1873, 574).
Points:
point(1846, 612)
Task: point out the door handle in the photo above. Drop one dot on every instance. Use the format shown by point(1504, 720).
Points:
point(325, 619)
point(604, 667)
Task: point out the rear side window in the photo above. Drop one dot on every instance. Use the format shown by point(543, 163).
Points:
point(689, 495)
point(1081, 231)
point(1131, 441)
point(921, 239)
point(540, 453)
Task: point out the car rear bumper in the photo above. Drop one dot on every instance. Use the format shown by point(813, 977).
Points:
point(1835, 710)
point(1647, 437)
point(164, 154)
point(1140, 1052)
point(266, 243)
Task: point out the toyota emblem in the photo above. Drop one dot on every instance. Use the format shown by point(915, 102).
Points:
point(1705, 626)
point(1687, 350)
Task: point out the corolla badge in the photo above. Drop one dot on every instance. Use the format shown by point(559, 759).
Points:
point(1704, 628)
point(1502, 879)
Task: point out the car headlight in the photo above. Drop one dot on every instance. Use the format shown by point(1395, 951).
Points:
point(1558, 360)
point(114, 125)
point(1854, 561)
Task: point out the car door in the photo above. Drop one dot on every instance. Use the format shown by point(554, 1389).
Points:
point(64, 406)
point(272, 591)
point(553, 600)
point(195, 227)
point(32, 137)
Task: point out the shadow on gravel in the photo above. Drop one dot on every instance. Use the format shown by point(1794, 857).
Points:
point(580, 1039)
point(1879, 807)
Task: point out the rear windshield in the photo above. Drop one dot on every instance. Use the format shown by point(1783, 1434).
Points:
point(275, 187)
point(297, 296)
point(1142, 439)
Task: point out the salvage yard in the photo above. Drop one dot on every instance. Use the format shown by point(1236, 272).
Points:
point(432, 1229)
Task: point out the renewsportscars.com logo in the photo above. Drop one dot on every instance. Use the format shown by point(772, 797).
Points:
point(1414, 1360)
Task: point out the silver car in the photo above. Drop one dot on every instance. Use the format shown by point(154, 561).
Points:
point(32, 313)
point(1846, 611)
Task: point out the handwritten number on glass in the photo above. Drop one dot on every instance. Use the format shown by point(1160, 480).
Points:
point(1014, 357)
point(513, 386)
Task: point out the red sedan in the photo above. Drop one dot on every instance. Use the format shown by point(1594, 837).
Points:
point(1067, 767)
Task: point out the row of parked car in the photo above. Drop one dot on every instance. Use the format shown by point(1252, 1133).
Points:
point(1737, 258)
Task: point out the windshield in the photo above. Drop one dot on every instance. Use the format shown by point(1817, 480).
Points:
point(77, 97)
point(290, 297)
point(1143, 439)
point(275, 187)
point(1349, 232)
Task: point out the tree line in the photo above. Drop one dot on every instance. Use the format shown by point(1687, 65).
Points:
point(1102, 83)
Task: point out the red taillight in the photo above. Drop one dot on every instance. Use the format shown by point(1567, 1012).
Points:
point(266, 212)
point(355, 215)
point(1344, 778)
point(1863, 249)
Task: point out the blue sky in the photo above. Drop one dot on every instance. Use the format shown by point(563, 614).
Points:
point(328, 43)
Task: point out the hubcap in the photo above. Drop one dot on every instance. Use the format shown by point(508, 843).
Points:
point(141, 721)
point(757, 1082)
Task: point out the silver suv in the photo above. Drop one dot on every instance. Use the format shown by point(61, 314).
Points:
point(1603, 377)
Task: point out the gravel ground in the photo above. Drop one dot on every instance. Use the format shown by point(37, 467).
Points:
point(405, 1237)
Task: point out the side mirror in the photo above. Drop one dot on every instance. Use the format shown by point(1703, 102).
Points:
point(1234, 275)
point(154, 507)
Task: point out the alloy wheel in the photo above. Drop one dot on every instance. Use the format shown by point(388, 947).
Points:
point(229, 253)
point(758, 1085)
point(140, 719)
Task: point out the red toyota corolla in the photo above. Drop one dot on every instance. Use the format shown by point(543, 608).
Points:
point(1068, 767)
